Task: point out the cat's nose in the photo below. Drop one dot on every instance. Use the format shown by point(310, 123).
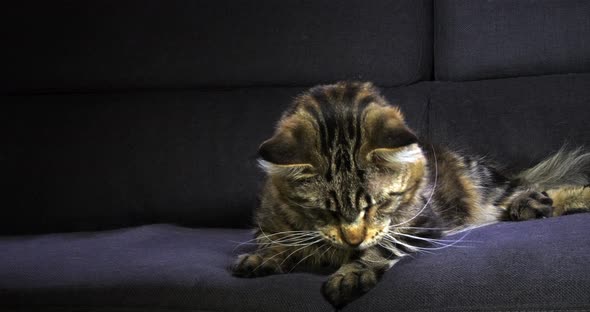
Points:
point(353, 235)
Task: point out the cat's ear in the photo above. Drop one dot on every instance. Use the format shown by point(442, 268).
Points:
point(287, 153)
point(388, 138)
point(284, 148)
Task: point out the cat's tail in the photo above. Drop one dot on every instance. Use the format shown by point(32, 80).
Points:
point(566, 167)
point(565, 176)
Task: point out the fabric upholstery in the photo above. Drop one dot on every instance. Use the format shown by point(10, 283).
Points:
point(528, 266)
point(481, 39)
point(92, 161)
point(117, 114)
point(73, 45)
point(516, 121)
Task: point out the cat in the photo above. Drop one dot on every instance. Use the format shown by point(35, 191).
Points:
point(350, 185)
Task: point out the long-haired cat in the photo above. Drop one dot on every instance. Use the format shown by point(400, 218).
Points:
point(351, 186)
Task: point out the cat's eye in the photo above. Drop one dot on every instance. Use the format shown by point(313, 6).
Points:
point(392, 194)
point(379, 204)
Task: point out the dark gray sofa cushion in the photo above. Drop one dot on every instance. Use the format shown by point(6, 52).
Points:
point(69, 45)
point(90, 161)
point(516, 121)
point(538, 265)
point(480, 39)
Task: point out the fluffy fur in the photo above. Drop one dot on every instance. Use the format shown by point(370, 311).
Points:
point(350, 186)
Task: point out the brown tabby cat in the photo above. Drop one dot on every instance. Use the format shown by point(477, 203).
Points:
point(349, 185)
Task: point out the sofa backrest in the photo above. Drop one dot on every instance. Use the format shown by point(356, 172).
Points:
point(85, 45)
point(483, 39)
point(118, 113)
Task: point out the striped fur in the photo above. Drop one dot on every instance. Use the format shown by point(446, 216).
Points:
point(349, 185)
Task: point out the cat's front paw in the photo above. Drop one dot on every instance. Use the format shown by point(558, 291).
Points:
point(530, 205)
point(254, 265)
point(346, 285)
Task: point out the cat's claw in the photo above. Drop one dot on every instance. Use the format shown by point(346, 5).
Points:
point(254, 265)
point(530, 205)
point(342, 288)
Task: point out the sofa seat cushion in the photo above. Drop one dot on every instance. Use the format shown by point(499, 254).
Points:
point(537, 265)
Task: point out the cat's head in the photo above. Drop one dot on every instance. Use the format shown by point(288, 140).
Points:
point(344, 159)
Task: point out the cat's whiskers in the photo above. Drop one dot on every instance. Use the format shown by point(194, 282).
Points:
point(444, 243)
point(332, 255)
point(421, 228)
point(412, 248)
point(268, 259)
point(279, 233)
point(386, 260)
point(323, 253)
point(311, 254)
point(288, 239)
point(301, 248)
point(287, 232)
point(265, 246)
point(390, 247)
point(285, 238)
point(284, 251)
point(306, 242)
point(290, 235)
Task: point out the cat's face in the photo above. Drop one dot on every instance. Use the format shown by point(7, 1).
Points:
point(346, 163)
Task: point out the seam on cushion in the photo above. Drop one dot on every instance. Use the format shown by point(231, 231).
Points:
point(516, 77)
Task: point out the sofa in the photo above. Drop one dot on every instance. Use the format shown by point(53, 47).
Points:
point(129, 136)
